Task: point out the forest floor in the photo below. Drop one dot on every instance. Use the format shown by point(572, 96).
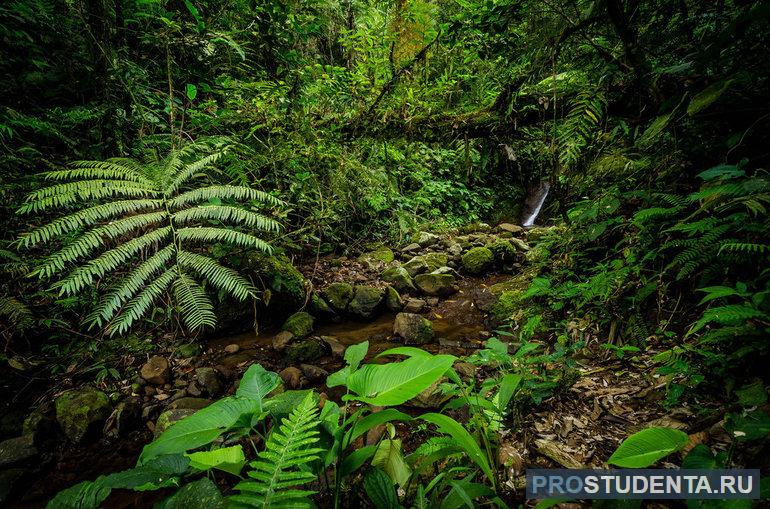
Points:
point(602, 401)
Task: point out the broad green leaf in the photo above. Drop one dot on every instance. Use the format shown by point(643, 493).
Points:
point(355, 354)
point(257, 383)
point(508, 386)
point(700, 457)
point(355, 459)
point(200, 494)
point(750, 426)
point(646, 447)
point(192, 91)
point(380, 489)
point(374, 419)
point(450, 427)
point(408, 351)
point(752, 394)
point(390, 459)
point(228, 459)
point(397, 382)
point(201, 428)
point(704, 98)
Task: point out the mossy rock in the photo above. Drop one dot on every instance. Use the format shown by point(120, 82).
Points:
point(399, 278)
point(81, 412)
point(435, 260)
point(320, 308)
point(299, 324)
point(366, 300)
point(392, 299)
point(416, 265)
point(378, 257)
point(478, 260)
point(506, 305)
point(187, 350)
point(169, 418)
point(436, 284)
point(413, 328)
point(308, 350)
point(502, 250)
point(338, 296)
point(285, 282)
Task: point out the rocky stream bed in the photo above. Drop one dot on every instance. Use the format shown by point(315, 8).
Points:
point(446, 294)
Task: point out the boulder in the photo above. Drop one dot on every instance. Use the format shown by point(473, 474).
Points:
point(502, 250)
point(413, 328)
point(377, 258)
point(411, 248)
point(415, 266)
point(414, 305)
point(307, 350)
point(436, 284)
point(320, 309)
point(478, 260)
point(520, 244)
point(169, 418)
point(300, 324)
point(337, 348)
point(281, 340)
point(365, 302)
point(435, 260)
point(291, 377)
point(156, 370)
point(338, 296)
point(187, 350)
point(314, 373)
point(399, 278)
point(17, 450)
point(455, 250)
point(127, 415)
point(232, 348)
point(208, 379)
point(393, 299)
point(510, 228)
point(425, 239)
point(81, 412)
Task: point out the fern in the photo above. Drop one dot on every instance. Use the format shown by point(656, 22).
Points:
point(150, 219)
point(280, 468)
point(581, 126)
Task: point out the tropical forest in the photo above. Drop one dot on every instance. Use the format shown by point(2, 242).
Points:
point(380, 253)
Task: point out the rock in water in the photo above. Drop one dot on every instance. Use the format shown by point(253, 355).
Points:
point(338, 296)
point(306, 351)
point(156, 370)
point(292, 377)
point(320, 308)
point(188, 350)
point(365, 301)
point(393, 299)
point(399, 278)
point(478, 260)
point(281, 340)
point(413, 328)
point(233, 348)
point(81, 412)
point(334, 344)
point(436, 284)
point(299, 324)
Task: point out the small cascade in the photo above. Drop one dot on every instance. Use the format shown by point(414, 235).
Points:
point(534, 203)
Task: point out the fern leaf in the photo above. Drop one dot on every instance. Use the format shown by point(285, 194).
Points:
point(189, 170)
point(118, 169)
point(218, 276)
point(67, 194)
point(225, 214)
point(222, 193)
point(138, 306)
point(277, 471)
point(208, 234)
point(196, 309)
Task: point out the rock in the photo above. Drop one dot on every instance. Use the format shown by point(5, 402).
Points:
point(187, 350)
point(365, 301)
point(319, 308)
point(189, 403)
point(413, 328)
point(502, 250)
point(314, 373)
point(477, 260)
point(306, 351)
point(156, 370)
point(431, 397)
point(127, 415)
point(455, 249)
point(169, 418)
point(414, 305)
point(414, 246)
point(17, 450)
point(333, 343)
point(399, 278)
point(292, 377)
point(281, 340)
point(416, 265)
point(377, 258)
point(393, 299)
point(425, 239)
point(193, 389)
point(81, 412)
point(436, 284)
point(511, 228)
point(465, 370)
point(520, 244)
point(444, 270)
point(435, 260)
point(208, 379)
point(432, 301)
point(338, 296)
point(300, 324)
point(233, 348)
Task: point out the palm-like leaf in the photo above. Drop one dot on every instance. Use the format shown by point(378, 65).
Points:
point(149, 217)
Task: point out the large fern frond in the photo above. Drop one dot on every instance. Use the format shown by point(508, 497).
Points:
point(140, 304)
point(280, 468)
point(225, 214)
point(218, 276)
point(195, 308)
point(222, 193)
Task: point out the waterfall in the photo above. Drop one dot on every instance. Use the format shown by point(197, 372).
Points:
point(534, 203)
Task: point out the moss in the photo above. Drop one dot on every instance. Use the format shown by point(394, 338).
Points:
point(502, 250)
point(378, 256)
point(282, 278)
point(187, 350)
point(299, 324)
point(435, 260)
point(436, 284)
point(338, 296)
point(478, 260)
point(80, 412)
point(392, 299)
point(506, 305)
point(305, 351)
point(399, 278)
point(366, 300)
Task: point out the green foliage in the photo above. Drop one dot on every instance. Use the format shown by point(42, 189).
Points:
point(646, 447)
point(150, 201)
